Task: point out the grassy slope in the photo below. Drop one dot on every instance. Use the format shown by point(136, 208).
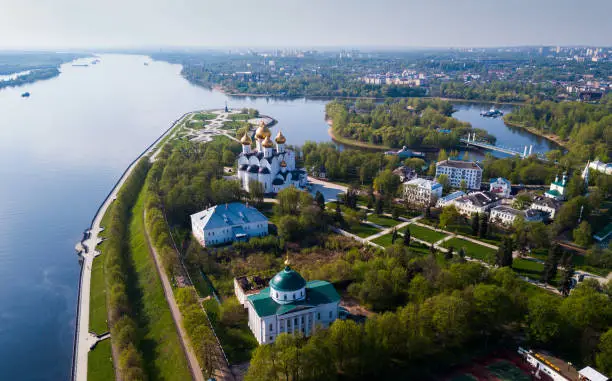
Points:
point(363, 230)
point(101, 362)
point(472, 249)
point(163, 355)
point(383, 221)
point(97, 308)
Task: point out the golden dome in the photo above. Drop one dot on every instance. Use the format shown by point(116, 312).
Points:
point(283, 163)
point(262, 131)
point(267, 142)
point(246, 139)
point(280, 138)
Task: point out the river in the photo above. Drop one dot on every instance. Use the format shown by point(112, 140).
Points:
point(62, 150)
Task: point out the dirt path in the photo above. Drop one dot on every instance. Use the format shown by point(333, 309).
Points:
point(177, 317)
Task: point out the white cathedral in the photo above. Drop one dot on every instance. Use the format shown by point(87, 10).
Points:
point(273, 167)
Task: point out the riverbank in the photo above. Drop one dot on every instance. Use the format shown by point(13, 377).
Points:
point(551, 137)
point(355, 143)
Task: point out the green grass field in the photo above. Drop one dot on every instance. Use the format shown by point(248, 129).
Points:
point(385, 240)
point(100, 362)
point(578, 260)
point(97, 293)
point(531, 269)
point(363, 230)
point(163, 355)
point(383, 221)
point(472, 249)
point(204, 116)
point(425, 234)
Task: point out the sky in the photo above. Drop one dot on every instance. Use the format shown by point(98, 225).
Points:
point(88, 24)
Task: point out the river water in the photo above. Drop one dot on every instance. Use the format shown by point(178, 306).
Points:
point(61, 151)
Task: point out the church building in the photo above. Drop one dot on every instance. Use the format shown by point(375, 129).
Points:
point(272, 167)
point(291, 305)
point(558, 189)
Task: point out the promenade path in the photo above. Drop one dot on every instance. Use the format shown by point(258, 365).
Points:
point(85, 339)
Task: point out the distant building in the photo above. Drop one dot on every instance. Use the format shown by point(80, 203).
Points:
point(590, 374)
point(501, 187)
point(227, 223)
point(422, 192)
point(546, 366)
point(558, 189)
point(506, 215)
point(291, 305)
point(477, 202)
point(449, 199)
point(547, 205)
point(458, 170)
point(405, 173)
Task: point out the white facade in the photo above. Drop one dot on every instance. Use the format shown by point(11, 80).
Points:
point(601, 167)
point(449, 199)
point(546, 205)
point(274, 168)
point(501, 187)
point(227, 223)
point(558, 189)
point(422, 192)
point(457, 171)
point(506, 215)
point(477, 202)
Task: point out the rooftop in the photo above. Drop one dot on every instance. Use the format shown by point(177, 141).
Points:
point(480, 198)
point(317, 292)
point(452, 196)
point(424, 183)
point(228, 215)
point(592, 375)
point(549, 202)
point(458, 164)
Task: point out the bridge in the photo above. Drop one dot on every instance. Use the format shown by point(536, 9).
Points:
point(471, 141)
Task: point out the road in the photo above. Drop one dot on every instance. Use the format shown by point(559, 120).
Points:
point(84, 339)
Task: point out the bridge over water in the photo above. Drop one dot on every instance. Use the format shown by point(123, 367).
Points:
point(471, 141)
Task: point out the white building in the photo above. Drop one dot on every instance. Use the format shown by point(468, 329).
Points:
point(274, 168)
point(501, 187)
point(590, 374)
point(601, 167)
point(291, 305)
point(449, 199)
point(227, 223)
point(422, 192)
point(547, 205)
point(477, 202)
point(558, 189)
point(458, 170)
point(506, 215)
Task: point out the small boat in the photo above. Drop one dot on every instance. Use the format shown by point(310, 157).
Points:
point(146, 64)
point(80, 65)
point(492, 113)
point(25, 95)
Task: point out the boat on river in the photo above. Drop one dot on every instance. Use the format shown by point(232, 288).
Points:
point(492, 113)
point(25, 95)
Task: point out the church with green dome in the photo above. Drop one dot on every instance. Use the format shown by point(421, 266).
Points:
point(291, 305)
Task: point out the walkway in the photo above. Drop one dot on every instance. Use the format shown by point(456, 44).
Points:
point(177, 317)
point(83, 339)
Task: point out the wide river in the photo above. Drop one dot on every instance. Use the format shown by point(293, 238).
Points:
point(62, 150)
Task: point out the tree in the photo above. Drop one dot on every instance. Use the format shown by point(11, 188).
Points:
point(568, 274)
point(550, 265)
point(582, 234)
point(449, 253)
point(463, 185)
point(338, 213)
point(256, 192)
point(407, 236)
point(575, 185)
point(442, 155)
point(484, 226)
point(475, 224)
point(604, 357)
point(504, 253)
point(379, 205)
point(449, 216)
point(445, 182)
point(393, 235)
point(462, 252)
point(387, 183)
point(395, 213)
point(289, 228)
point(320, 200)
point(543, 318)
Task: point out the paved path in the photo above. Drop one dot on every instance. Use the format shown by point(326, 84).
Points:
point(177, 317)
point(84, 340)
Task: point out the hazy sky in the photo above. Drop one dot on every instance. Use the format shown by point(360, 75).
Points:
point(305, 23)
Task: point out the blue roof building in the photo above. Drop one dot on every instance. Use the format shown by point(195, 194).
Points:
point(222, 224)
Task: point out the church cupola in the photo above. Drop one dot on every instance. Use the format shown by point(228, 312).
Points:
point(267, 146)
point(280, 142)
point(261, 133)
point(287, 286)
point(246, 143)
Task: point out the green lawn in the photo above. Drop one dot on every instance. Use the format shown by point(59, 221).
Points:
point(204, 116)
point(578, 260)
point(240, 117)
point(472, 249)
point(383, 221)
point(385, 240)
point(163, 355)
point(100, 362)
point(525, 267)
point(363, 230)
point(425, 234)
point(97, 293)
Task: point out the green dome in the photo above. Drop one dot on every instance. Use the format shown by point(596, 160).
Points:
point(287, 280)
